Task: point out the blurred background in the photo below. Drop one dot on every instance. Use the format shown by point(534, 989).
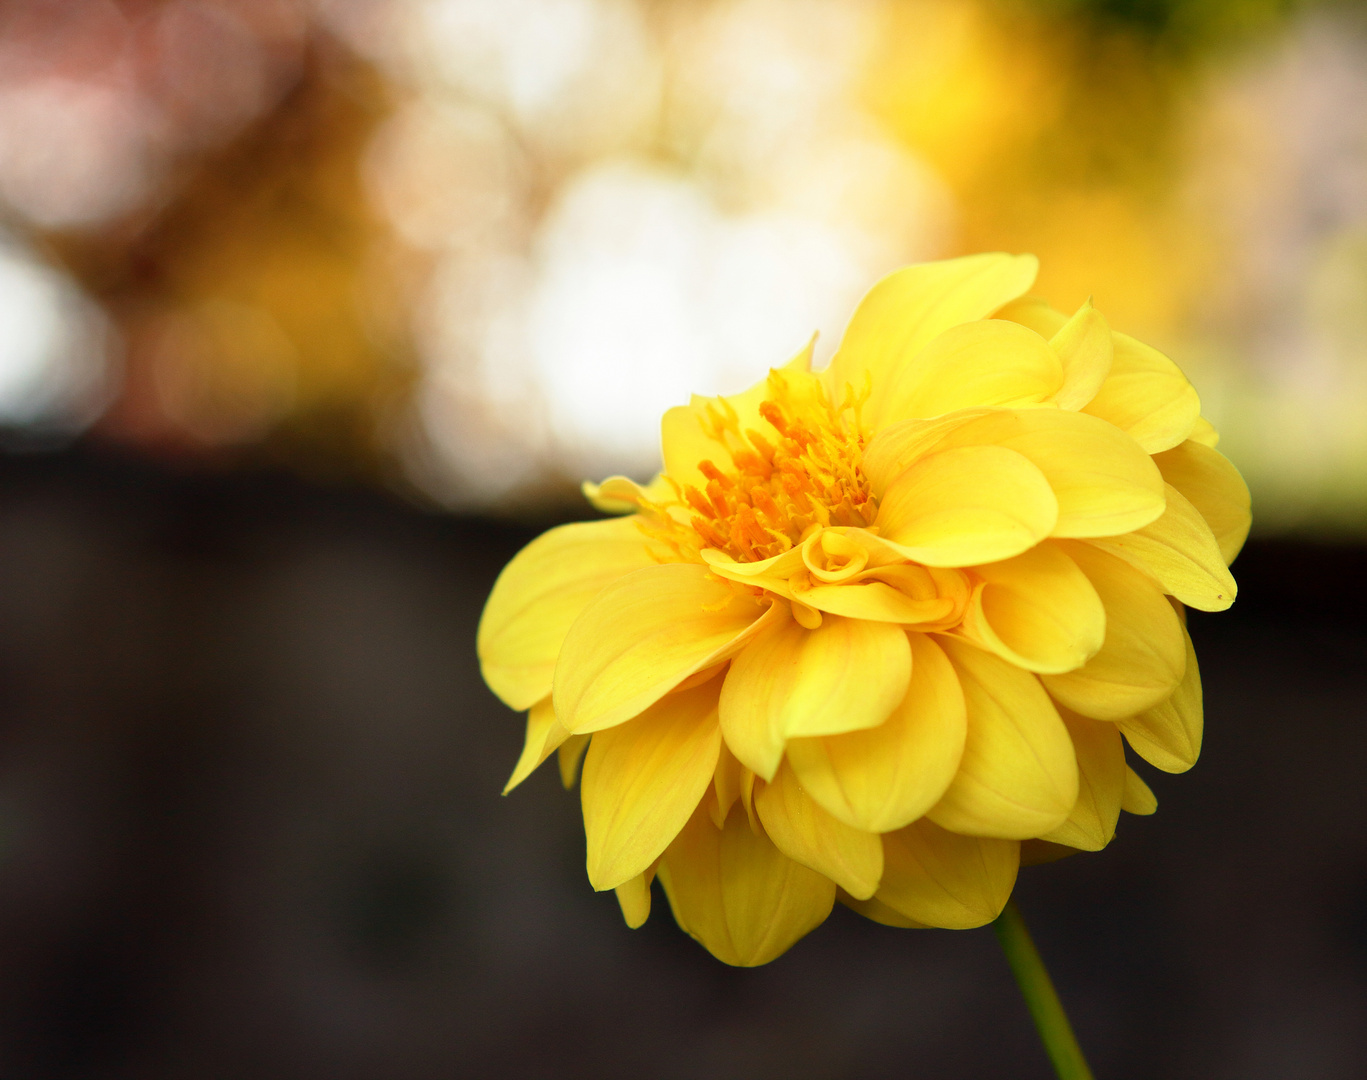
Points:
point(313, 311)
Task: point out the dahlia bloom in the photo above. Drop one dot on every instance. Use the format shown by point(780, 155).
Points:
point(876, 631)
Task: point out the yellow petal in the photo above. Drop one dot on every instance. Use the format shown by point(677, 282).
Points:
point(1147, 395)
point(734, 892)
point(988, 363)
point(1037, 610)
point(1213, 485)
point(1168, 736)
point(1105, 484)
point(879, 912)
point(899, 446)
point(940, 878)
point(907, 309)
point(969, 505)
point(806, 833)
point(633, 896)
point(1101, 782)
point(1143, 657)
point(1083, 344)
point(642, 781)
point(622, 495)
point(845, 675)
point(1180, 552)
point(540, 720)
point(1203, 432)
point(906, 594)
point(1139, 797)
point(887, 777)
point(571, 753)
point(642, 636)
point(1018, 776)
point(538, 596)
point(1033, 312)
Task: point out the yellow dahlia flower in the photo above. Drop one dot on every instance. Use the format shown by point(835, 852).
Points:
point(874, 627)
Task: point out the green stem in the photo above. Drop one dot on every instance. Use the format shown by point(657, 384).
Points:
point(1040, 997)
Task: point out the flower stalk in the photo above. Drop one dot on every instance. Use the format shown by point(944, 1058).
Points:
point(1040, 996)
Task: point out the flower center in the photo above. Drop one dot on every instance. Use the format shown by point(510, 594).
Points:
point(782, 488)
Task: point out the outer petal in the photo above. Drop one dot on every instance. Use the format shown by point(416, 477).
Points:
point(1018, 777)
point(939, 878)
point(887, 777)
point(968, 505)
point(1147, 395)
point(622, 495)
point(1143, 658)
point(1139, 797)
point(1168, 736)
point(1037, 611)
point(642, 781)
point(845, 675)
point(1203, 432)
point(732, 890)
point(988, 363)
point(1213, 485)
point(907, 309)
point(803, 831)
point(1084, 346)
point(642, 636)
point(541, 592)
point(1101, 768)
point(1180, 551)
point(633, 897)
point(1105, 484)
point(1033, 312)
point(570, 755)
point(540, 721)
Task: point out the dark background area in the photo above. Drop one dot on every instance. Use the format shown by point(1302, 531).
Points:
point(250, 826)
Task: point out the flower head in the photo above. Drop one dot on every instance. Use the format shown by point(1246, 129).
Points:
point(878, 630)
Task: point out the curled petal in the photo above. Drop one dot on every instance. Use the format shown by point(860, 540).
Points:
point(642, 636)
point(538, 596)
point(1147, 396)
point(907, 594)
point(1037, 610)
point(1180, 551)
point(1101, 783)
point(1018, 776)
point(907, 309)
point(806, 833)
point(642, 781)
point(622, 495)
point(886, 777)
point(939, 878)
point(1213, 485)
point(968, 505)
point(1168, 736)
point(1143, 657)
point(1083, 344)
point(989, 363)
point(734, 892)
point(845, 675)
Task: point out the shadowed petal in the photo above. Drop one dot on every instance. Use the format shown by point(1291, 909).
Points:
point(939, 878)
point(1101, 770)
point(806, 833)
point(1147, 395)
point(643, 779)
point(1018, 777)
point(734, 892)
point(1168, 736)
point(1143, 657)
point(1213, 485)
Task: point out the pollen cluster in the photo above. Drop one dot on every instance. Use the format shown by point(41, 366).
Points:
point(780, 487)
